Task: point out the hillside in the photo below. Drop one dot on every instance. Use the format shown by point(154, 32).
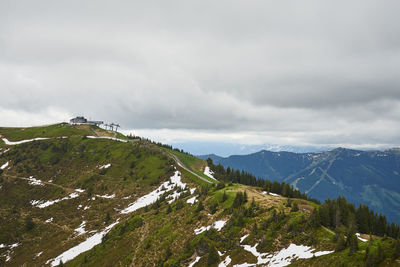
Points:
point(368, 177)
point(84, 199)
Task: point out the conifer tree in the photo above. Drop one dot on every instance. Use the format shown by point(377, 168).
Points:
point(213, 257)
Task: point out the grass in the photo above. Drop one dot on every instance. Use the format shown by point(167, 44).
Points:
point(136, 168)
point(194, 164)
point(55, 130)
point(150, 236)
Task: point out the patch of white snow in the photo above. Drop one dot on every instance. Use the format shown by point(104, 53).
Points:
point(33, 181)
point(107, 137)
point(106, 166)
point(283, 257)
point(81, 229)
point(106, 196)
point(192, 200)
point(5, 165)
point(208, 172)
point(152, 197)
point(216, 225)
point(361, 239)
point(43, 204)
point(226, 262)
point(194, 262)
point(11, 143)
point(243, 238)
point(86, 245)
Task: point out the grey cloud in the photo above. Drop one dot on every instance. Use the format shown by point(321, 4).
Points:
point(315, 72)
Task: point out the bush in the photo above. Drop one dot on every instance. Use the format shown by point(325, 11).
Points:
point(179, 204)
point(29, 224)
point(200, 207)
point(213, 257)
point(220, 185)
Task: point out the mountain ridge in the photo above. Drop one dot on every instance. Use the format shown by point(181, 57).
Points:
point(129, 203)
point(356, 174)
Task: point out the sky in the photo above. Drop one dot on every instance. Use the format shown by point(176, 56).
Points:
point(320, 73)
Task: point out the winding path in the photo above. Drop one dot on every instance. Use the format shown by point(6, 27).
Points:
point(177, 160)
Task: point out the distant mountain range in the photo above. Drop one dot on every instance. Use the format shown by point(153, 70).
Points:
point(368, 177)
point(227, 149)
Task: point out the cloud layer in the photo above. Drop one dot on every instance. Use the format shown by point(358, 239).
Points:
point(307, 72)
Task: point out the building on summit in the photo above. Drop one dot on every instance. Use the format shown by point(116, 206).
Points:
point(83, 120)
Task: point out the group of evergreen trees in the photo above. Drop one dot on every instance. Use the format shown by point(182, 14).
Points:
point(338, 212)
point(332, 213)
point(242, 177)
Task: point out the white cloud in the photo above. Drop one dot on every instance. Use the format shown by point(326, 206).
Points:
point(248, 71)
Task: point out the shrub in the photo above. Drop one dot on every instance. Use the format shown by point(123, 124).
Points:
point(29, 224)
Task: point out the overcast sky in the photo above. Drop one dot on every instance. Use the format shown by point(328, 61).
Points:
point(250, 72)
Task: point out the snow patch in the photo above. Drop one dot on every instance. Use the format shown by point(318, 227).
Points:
point(194, 262)
point(218, 225)
point(11, 143)
point(361, 239)
point(5, 165)
point(192, 200)
point(208, 172)
point(243, 238)
point(283, 257)
point(10, 250)
point(38, 254)
point(106, 196)
point(49, 220)
point(86, 245)
point(107, 137)
point(226, 262)
point(81, 229)
point(106, 166)
point(269, 193)
point(152, 197)
point(86, 207)
point(192, 190)
point(43, 204)
point(33, 181)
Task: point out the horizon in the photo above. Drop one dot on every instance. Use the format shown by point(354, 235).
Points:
point(225, 149)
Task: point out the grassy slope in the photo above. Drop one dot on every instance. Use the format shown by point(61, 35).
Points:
point(71, 163)
point(167, 239)
point(195, 164)
point(150, 236)
point(55, 130)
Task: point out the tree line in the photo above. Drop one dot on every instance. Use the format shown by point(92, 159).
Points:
point(332, 213)
point(242, 177)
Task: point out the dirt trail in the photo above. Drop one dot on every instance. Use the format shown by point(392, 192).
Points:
point(176, 159)
point(69, 190)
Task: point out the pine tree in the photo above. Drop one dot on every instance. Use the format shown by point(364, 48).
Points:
point(29, 224)
point(341, 243)
point(213, 256)
point(200, 207)
point(169, 209)
point(396, 252)
point(224, 197)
